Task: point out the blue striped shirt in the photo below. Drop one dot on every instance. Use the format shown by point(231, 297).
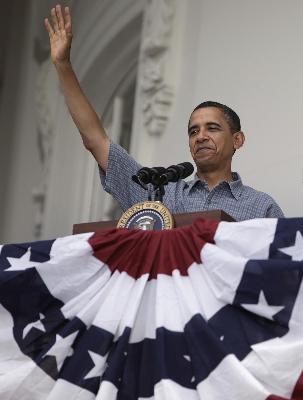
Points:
point(239, 201)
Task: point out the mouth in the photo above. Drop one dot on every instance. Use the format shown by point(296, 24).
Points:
point(204, 149)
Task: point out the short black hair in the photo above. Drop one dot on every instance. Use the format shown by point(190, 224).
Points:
point(231, 116)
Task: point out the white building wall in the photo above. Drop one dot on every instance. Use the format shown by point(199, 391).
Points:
point(254, 62)
point(19, 151)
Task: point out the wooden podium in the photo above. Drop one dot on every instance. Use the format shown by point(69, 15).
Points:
point(179, 220)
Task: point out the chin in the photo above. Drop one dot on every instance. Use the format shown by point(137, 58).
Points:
point(206, 167)
point(206, 160)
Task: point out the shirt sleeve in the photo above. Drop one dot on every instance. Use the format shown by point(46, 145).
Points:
point(274, 211)
point(118, 178)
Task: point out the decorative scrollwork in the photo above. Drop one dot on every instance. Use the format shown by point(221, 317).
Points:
point(157, 93)
point(44, 126)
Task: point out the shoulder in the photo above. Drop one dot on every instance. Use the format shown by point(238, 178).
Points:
point(248, 191)
point(262, 200)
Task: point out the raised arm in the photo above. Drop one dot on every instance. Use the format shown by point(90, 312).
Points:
point(87, 121)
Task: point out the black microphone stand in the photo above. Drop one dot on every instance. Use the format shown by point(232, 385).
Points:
point(159, 192)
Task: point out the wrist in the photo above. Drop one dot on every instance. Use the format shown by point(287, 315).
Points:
point(63, 64)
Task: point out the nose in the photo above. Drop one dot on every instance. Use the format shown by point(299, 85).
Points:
point(202, 135)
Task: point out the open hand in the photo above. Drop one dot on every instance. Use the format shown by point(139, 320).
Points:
point(60, 34)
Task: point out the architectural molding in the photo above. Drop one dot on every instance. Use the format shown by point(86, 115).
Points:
point(45, 133)
point(156, 89)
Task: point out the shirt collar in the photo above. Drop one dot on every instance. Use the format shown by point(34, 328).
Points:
point(236, 185)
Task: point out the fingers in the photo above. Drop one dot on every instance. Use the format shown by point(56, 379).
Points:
point(54, 20)
point(59, 16)
point(59, 22)
point(68, 21)
point(48, 27)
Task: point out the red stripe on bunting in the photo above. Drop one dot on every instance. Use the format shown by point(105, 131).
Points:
point(140, 252)
point(297, 393)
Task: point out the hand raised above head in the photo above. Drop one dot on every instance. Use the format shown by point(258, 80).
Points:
point(60, 34)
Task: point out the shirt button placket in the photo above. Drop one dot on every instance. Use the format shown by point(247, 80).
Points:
point(208, 201)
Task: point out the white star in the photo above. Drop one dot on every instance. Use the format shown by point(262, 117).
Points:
point(62, 348)
point(262, 307)
point(99, 367)
point(36, 324)
point(22, 263)
point(295, 251)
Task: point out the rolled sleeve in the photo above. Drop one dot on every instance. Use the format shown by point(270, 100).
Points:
point(117, 180)
point(274, 211)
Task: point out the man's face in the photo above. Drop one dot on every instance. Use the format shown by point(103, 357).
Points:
point(211, 141)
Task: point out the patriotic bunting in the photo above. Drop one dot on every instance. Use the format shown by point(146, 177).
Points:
point(208, 311)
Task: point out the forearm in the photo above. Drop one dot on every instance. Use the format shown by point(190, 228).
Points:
point(83, 114)
point(87, 121)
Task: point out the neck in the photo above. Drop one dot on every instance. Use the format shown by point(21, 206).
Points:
point(213, 178)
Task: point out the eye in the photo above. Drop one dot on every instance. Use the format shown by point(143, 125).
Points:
point(192, 132)
point(213, 128)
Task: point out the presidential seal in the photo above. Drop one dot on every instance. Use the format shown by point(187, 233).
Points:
point(147, 216)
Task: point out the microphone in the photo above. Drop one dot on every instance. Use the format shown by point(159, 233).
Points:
point(149, 175)
point(176, 172)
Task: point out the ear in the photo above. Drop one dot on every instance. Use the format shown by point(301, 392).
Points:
point(239, 139)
